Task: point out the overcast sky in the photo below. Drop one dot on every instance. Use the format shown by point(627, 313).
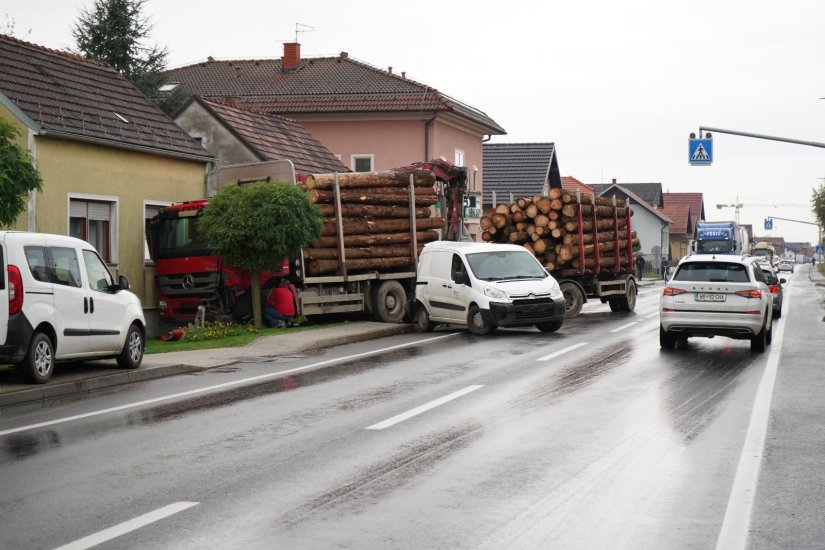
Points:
point(616, 85)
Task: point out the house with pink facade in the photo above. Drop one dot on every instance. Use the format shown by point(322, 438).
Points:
point(369, 118)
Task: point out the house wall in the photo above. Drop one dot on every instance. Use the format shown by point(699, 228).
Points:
point(652, 232)
point(215, 137)
point(130, 179)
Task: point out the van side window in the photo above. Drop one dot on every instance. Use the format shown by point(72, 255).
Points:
point(458, 265)
point(65, 266)
point(38, 262)
point(99, 276)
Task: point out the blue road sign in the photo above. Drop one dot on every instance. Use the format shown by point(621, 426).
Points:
point(819, 249)
point(700, 152)
point(768, 224)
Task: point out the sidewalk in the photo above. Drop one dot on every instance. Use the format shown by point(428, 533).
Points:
point(816, 277)
point(87, 377)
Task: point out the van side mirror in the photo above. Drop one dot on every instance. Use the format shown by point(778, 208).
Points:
point(123, 282)
point(783, 280)
point(461, 278)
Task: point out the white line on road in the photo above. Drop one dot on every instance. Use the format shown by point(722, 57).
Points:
point(652, 315)
point(219, 386)
point(423, 408)
point(127, 526)
point(735, 527)
point(561, 351)
point(621, 328)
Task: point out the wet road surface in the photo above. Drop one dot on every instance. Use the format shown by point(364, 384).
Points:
point(443, 440)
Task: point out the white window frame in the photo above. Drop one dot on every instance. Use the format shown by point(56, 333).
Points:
point(147, 260)
point(114, 229)
point(361, 157)
point(460, 159)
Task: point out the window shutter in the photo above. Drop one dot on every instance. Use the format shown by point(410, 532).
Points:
point(100, 211)
point(77, 209)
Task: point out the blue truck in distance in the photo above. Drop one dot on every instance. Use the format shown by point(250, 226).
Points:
point(720, 238)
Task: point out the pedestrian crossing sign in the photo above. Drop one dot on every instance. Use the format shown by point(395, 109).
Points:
point(700, 152)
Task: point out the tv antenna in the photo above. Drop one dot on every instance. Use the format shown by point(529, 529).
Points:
point(300, 27)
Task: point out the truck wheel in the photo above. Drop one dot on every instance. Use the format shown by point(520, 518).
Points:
point(422, 319)
point(614, 304)
point(132, 353)
point(388, 301)
point(550, 327)
point(628, 301)
point(38, 365)
point(476, 322)
point(573, 299)
point(666, 341)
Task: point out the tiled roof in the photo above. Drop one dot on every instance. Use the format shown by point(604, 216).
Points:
point(680, 214)
point(320, 85)
point(64, 94)
point(274, 138)
point(695, 200)
point(518, 168)
point(569, 183)
point(650, 192)
point(616, 189)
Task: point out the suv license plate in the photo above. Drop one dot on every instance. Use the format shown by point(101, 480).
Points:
point(709, 297)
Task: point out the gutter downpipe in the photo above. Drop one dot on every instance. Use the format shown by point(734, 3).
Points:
point(427, 124)
point(31, 216)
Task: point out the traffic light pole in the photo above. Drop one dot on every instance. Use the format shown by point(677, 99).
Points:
point(761, 136)
point(819, 227)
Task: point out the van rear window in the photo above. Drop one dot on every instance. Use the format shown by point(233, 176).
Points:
point(38, 262)
point(712, 272)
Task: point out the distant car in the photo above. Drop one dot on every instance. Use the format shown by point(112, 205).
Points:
point(717, 295)
point(775, 285)
point(785, 265)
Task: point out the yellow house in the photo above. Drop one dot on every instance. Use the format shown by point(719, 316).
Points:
point(109, 157)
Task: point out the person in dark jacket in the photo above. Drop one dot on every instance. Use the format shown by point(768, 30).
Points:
point(665, 266)
point(640, 265)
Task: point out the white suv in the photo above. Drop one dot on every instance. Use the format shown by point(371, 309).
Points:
point(59, 301)
point(717, 295)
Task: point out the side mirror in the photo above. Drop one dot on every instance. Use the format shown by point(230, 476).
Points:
point(461, 278)
point(123, 282)
point(783, 281)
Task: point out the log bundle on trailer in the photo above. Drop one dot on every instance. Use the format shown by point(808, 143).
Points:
point(569, 233)
point(375, 220)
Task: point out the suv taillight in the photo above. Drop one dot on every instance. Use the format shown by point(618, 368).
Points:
point(670, 291)
point(756, 294)
point(15, 290)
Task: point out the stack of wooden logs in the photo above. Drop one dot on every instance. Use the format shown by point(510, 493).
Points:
point(548, 226)
point(375, 211)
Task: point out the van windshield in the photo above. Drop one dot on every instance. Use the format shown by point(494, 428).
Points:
point(506, 264)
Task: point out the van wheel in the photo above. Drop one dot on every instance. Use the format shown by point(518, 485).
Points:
point(132, 353)
point(388, 302)
point(476, 322)
point(38, 365)
point(422, 319)
point(573, 299)
point(549, 327)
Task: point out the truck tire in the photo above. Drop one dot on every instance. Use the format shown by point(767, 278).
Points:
point(550, 327)
point(38, 365)
point(573, 299)
point(476, 322)
point(388, 300)
point(614, 304)
point(628, 301)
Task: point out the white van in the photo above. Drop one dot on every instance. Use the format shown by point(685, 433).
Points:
point(59, 301)
point(484, 286)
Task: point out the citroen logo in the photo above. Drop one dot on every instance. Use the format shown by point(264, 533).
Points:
point(531, 295)
point(188, 281)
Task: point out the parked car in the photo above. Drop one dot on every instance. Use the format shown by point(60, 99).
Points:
point(717, 295)
point(775, 285)
point(59, 301)
point(785, 265)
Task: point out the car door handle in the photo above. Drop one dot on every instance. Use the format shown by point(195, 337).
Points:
point(85, 305)
point(446, 286)
point(91, 305)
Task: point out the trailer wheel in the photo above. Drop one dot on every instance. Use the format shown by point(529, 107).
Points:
point(614, 304)
point(388, 301)
point(573, 299)
point(628, 301)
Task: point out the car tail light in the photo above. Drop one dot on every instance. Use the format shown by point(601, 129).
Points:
point(774, 289)
point(756, 294)
point(15, 290)
point(670, 291)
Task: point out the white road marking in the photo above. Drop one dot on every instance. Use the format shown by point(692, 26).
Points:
point(218, 386)
point(652, 316)
point(736, 525)
point(561, 351)
point(621, 328)
point(127, 526)
point(423, 408)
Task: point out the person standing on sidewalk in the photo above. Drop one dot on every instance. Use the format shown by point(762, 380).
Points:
point(665, 266)
point(640, 265)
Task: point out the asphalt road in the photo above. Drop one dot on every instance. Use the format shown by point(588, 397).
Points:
point(587, 438)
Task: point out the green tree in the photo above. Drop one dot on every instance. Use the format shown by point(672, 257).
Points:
point(818, 205)
point(114, 32)
point(18, 176)
point(255, 227)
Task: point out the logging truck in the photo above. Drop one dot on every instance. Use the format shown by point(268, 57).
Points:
point(374, 226)
point(586, 242)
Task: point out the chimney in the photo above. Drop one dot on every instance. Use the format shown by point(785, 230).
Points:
point(614, 181)
point(291, 60)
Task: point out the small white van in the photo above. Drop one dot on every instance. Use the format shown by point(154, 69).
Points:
point(58, 301)
point(484, 286)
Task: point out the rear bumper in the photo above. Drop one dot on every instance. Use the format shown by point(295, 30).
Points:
point(17, 339)
point(732, 325)
point(525, 313)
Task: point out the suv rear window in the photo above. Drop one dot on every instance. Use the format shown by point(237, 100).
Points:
point(712, 272)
